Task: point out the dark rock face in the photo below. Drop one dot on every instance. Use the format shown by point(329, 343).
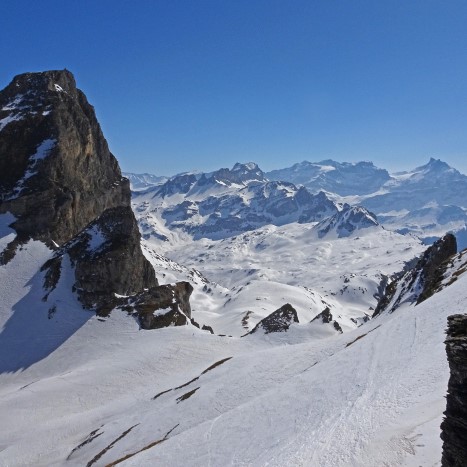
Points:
point(431, 261)
point(454, 426)
point(278, 321)
point(421, 280)
point(107, 260)
point(163, 306)
point(326, 317)
point(57, 173)
point(65, 188)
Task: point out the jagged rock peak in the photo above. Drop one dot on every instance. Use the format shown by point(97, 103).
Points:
point(56, 171)
point(240, 173)
point(436, 164)
point(454, 426)
point(431, 262)
point(278, 321)
point(64, 187)
point(44, 81)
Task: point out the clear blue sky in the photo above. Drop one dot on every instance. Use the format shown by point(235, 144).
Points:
point(195, 84)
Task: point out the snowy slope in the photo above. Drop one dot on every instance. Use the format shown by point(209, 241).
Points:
point(112, 393)
point(248, 276)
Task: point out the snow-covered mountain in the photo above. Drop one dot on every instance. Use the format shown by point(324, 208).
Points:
point(254, 241)
point(139, 182)
point(342, 178)
point(227, 202)
point(427, 201)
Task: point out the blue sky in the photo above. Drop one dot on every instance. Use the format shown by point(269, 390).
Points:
point(183, 85)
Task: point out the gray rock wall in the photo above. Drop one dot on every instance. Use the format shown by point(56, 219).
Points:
point(61, 182)
point(454, 426)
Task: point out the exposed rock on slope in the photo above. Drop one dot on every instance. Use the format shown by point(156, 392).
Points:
point(454, 426)
point(326, 317)
point(278, 321)
point(420, 280)
point(107, 257)
point(64, 187)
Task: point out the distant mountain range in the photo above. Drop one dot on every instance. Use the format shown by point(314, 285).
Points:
point(231, 201)
point(427, 201)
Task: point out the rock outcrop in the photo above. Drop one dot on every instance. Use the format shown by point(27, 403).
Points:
point(57, 173)
point(64, 188)
point(326, 317)
point(454, 426)
point(278, 321)
point(421, 278)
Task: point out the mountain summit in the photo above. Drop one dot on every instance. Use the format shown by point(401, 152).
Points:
point(63, 187)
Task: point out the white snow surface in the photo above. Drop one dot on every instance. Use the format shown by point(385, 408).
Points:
point(76, 389)
point(257, 272)
point(42, 151)
point(371, 396)
point(8, 119)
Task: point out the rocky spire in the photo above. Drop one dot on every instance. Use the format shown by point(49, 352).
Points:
point(57, 173)
point(64, 187)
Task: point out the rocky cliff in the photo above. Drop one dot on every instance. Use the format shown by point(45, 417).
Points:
point(64, 188)
point(454, 426)
point(421, 278)
point(57, 173)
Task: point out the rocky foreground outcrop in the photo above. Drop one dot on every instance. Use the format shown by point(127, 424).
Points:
point(454, 426)
point(420, 279)
point(64, 187)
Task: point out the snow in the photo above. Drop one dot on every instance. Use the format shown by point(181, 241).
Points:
point(96, 238)
point(7, 234)
point(8, 119)
point(372, 396)
point(42, 151)
point(14, 103)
